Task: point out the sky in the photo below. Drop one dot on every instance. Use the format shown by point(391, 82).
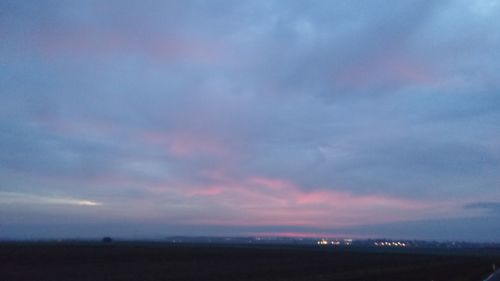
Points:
point(265, 117)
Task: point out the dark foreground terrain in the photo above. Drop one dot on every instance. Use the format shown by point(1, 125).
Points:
point(156, 261)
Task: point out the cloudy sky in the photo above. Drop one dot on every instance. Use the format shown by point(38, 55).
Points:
point(190, 117)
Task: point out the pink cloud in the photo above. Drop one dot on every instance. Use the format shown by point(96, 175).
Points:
point(264, 201)
point(261, 201)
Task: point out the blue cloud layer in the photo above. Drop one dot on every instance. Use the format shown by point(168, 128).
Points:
point(114, 101)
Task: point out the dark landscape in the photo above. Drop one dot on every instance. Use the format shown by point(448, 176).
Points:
point(238, 140)
point(168, 261)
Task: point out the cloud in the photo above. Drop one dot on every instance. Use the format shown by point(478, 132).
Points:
point(174, 111)
point(488, 208)
point(479, 229)
point(22, 198)
point(260, 201)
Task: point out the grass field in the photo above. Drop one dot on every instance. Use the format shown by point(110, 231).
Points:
point(157, 261)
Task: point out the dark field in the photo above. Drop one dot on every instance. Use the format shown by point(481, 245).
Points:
point(156, 261)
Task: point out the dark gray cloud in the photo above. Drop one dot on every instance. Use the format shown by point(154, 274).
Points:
point(469, 229)
point(489, 208)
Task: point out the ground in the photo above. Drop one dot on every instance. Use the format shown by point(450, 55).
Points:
point(162, 261)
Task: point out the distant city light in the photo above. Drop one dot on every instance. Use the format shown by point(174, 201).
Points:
point(390, 244)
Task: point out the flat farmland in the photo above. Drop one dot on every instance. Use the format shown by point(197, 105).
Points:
point(206, 262)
